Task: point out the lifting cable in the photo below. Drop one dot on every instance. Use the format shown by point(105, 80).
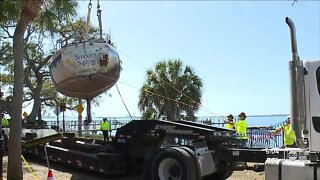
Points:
point(165, 97)
point(88, 18)
point(99, 19)
point(171, 86)
point(159, 95)
point(189, 97)
point(198, 103)
point(124, 102)
point(180, 92)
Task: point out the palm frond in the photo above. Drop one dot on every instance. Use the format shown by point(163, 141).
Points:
point(180, 85)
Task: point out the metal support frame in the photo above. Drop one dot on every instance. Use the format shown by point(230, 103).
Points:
point(45, 151)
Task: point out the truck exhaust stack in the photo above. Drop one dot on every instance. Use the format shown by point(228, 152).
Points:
point(297, 96)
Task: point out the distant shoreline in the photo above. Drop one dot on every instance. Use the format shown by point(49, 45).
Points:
point(128, 118)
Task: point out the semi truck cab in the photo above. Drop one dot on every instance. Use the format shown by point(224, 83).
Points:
point(305, 115)
point(312, 91)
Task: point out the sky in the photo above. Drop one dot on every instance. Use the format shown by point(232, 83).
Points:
point(240, 50)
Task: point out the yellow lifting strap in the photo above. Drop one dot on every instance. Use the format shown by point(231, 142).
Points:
point(88, 18)
point(35, 177)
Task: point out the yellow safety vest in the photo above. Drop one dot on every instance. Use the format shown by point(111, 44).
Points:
point(289, 136)
point(105, 126)
point(229, 126)
point(5, 122)
point(241, 128)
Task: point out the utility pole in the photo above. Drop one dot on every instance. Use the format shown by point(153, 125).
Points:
point(63, 109)
point(57, 109)
point(80, 110)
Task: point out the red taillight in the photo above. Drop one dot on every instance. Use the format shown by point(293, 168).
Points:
point(124, 136)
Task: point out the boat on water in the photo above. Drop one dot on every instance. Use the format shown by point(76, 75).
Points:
point(86, 69)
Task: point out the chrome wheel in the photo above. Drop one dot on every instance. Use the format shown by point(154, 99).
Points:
point(169, 169)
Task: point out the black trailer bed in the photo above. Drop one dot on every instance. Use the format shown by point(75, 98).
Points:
point(102, 162)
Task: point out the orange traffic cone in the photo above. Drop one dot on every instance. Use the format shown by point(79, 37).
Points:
point(50, 176)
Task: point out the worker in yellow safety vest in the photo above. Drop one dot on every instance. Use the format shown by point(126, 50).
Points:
point(105, 128)
point(241, 128)
point(230, 123)
point(289, 135)
point(5, 122)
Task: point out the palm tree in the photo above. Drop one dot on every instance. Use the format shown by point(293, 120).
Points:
point(22, 13)
point(171, 90)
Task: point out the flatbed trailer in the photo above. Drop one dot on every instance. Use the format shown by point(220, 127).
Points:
point(158, 149)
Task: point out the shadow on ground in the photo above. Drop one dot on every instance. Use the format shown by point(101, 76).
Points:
point(80, 174)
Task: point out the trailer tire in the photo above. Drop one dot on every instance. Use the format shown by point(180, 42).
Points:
point(173, 163)
point(146, 173)
point(195, 160)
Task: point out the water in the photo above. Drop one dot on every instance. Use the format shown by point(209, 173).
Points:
point(274, 121)
point(266, 120)
point(258, 137)
point(256, 120)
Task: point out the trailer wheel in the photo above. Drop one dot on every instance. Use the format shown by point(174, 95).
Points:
point(195, 160)
point(173, 163)
point(146, 173)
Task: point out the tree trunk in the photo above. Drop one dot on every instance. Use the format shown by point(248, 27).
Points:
point(29, 10)
point(14, 164)
point(170, 111)
point(39, 114)
point(36, 105)
point(190, 114)
point(89, 118)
